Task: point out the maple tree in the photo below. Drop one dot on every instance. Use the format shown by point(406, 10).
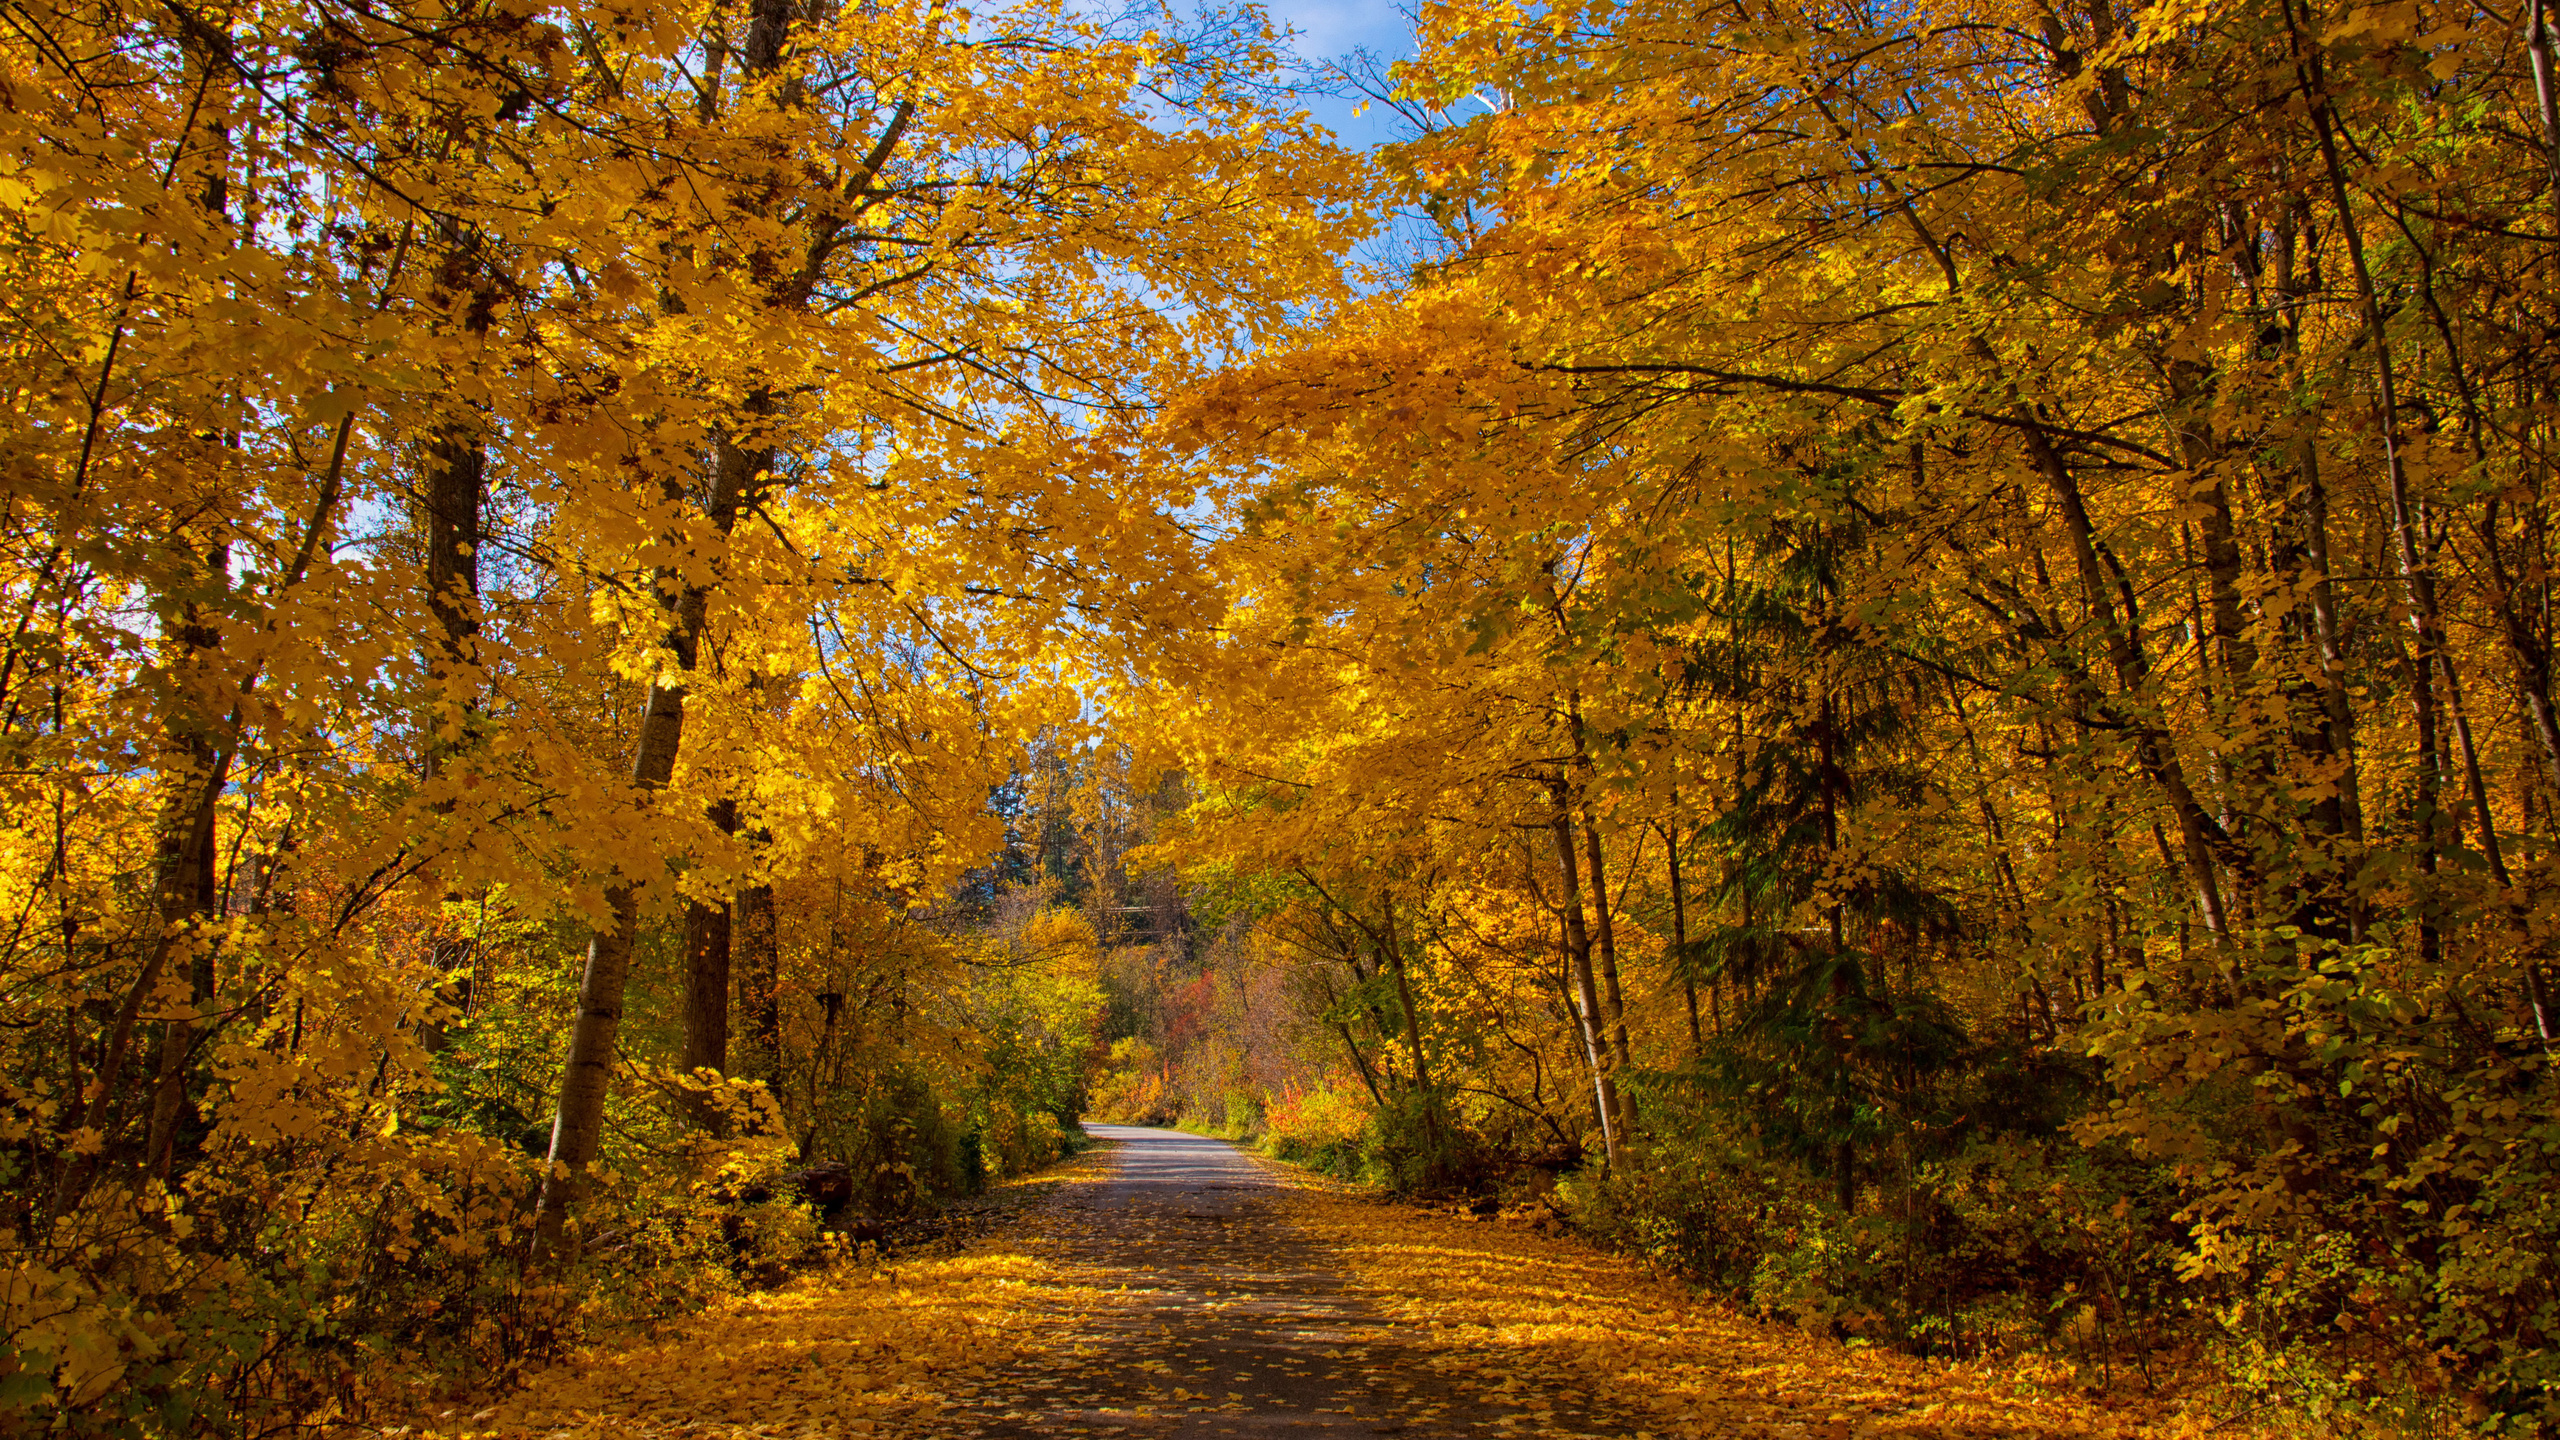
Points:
point(1911, 645)
point(496, 478)
point(2038, 513)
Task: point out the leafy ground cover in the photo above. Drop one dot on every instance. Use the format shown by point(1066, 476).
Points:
point(1176, 1286)
point(1539, 1315)
point(864, 1346)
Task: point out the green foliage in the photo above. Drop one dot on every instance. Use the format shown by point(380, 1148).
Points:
point(1325, 1129)
point(906, 1142)
point(1037, 1017)
point(2001, 1243)
point(1409, 1145)
point(2376, 1168)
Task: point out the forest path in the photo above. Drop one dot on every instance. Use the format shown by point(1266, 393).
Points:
point(1241, 1299)
point(1229, 1320)
point(1175, 1287)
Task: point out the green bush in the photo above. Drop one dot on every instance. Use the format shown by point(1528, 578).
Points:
point(2007, 1242)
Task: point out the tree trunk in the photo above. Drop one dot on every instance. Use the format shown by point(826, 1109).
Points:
point(2203, 842)
point(198, 766)
point(759, 947)
point(1621, 1057)
point(2513, 902)
point(2546, 95)
point(1607, 934)
point(2324, 718)
point(1577, 944)
point(1378, 1024)
point(1351, 1043)
point(452, 484)
point(1680, 932)
point(707, 933)
point(2413, 556)
point(587, 1073)
point(2530, 654)
point(198, 753)
point(1612, 995)
point(1435, 1125)
point(1393, 953)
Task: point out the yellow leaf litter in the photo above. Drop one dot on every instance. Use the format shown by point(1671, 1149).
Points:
point(1567, 1339)
point(1499, 1305)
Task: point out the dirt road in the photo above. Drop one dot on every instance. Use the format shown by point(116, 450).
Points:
point(1173, 1287)
point(1232, 1322)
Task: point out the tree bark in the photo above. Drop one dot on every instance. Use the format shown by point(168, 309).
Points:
point(2202, 840)
point(707, 936)
point(1606, 932)
point(1621, 1056)
point(759, 944)
point(2413, 556)
point(1351, 1043)
point(452, 485)
point(198, 755)
point(587, 1073)
point(2516, 906)
point(198, 765)
point(2530, 654)
point(1680, 931)
point(2324, 720)
point(1435, 1125)
point(1577, 944)
point(1393, 952)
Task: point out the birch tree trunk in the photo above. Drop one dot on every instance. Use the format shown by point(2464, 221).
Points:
point(1577, 944)
point(1622, 1058)
point(587, 1074)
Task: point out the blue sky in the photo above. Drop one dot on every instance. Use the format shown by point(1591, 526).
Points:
point(1327, 28)
point(1333, 26)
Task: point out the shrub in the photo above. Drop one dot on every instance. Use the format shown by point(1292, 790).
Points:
point(2009, 1241)
point(1131, 1090)
point(1326, 1129)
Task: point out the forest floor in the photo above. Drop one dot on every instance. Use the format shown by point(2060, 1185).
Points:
point(1171, 1286)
